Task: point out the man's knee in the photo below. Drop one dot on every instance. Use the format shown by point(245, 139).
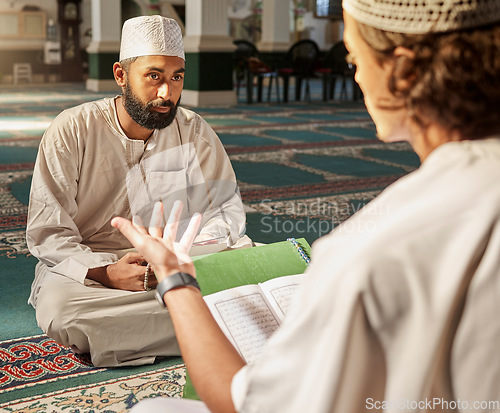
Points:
point(116, 327)
point(49, 307)
point(56, 316)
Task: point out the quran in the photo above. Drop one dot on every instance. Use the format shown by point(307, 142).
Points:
point(248, 315)
point(225, 277)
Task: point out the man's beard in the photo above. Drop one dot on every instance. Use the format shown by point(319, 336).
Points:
point(143, 115)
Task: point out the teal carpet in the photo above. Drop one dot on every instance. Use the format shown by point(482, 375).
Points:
point(302, 168)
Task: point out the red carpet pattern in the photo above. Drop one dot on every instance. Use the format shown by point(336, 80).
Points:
point(34, 360)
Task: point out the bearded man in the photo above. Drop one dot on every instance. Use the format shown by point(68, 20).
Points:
point(118, 157)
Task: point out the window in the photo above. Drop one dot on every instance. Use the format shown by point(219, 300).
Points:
point(23, 25)
point(331, 9)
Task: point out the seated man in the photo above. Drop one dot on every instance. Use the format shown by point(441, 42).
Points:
point(118, 156)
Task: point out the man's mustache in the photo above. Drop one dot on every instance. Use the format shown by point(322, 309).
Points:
point(161, 103)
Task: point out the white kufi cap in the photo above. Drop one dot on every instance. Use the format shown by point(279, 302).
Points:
point(424, 16)
point(150, 36)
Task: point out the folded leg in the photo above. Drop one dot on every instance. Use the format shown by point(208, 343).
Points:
point(116, 327)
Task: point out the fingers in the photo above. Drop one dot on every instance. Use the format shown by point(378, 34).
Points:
point(138, 225)
point(156, 224)
point(173, 221)
point(128, 230)
point(191, 231)
point(168, 242)
point(140, 238)
point(133, 258)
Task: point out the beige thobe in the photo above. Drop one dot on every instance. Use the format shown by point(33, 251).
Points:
point(87, 171)
point(400, 309)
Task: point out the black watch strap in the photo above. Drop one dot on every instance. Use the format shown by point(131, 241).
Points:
point(177, 280)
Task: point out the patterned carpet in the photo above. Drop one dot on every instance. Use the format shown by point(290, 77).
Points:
point(38, 375)
point(302, 169)
point(116, 395)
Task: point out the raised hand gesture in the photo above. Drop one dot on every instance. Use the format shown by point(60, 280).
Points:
point(157, 244)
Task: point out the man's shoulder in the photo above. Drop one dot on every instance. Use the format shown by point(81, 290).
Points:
point(185, 115)
point(194, 125)
point(75, 120)
point(86, 109)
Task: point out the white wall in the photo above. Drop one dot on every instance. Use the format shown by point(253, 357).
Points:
point(325, 32)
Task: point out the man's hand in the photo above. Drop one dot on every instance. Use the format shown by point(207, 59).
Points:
point(125, 274)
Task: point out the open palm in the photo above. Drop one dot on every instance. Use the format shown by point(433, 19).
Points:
point(157, 244)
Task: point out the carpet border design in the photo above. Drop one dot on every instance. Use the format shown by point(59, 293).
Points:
point(114, 395)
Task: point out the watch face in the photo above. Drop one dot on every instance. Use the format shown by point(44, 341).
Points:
point(70, 11)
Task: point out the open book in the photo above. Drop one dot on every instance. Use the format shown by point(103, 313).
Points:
point(249, 314)
point(228, 275)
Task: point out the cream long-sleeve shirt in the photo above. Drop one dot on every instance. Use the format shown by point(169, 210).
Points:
point(88, 171)
point(400, 311)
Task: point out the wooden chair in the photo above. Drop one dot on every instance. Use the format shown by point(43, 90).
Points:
point(21, 72)
point(336, 67)
point(299, 62)
point(248, 65)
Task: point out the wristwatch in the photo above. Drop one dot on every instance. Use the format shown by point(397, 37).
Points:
point(177, 280)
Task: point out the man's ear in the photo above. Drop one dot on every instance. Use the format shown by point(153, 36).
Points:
point(119, 74)
point(403, 51)
point(404, 69)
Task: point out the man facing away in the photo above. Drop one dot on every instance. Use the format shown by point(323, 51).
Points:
point(117, 157)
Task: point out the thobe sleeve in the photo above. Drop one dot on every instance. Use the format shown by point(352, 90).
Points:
point(315, 365)
point(325, 357)
point(52, 235)
point(223, 213)
point(399, 308)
